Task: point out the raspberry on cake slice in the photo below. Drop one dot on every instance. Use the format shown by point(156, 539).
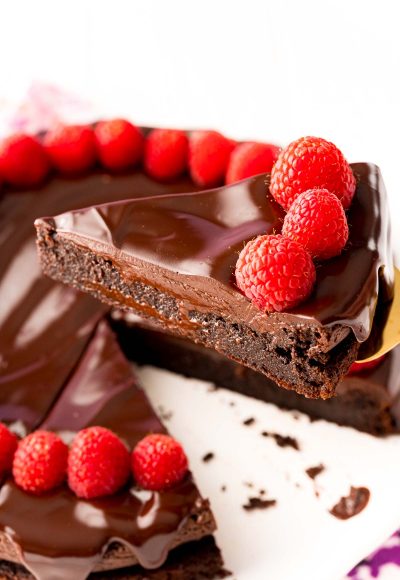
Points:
point(172, 259)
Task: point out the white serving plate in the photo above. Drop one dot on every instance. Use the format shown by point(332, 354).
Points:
point(298, 539)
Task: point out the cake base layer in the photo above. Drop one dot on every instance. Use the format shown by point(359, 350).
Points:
point(365, 401)
point(193, 561)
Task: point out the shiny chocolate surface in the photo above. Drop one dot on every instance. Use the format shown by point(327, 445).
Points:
point(193, 240)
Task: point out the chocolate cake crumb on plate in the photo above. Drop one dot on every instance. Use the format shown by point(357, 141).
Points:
point(352, 504)
point(258, 503)
point(313, 472)
point(283, 440)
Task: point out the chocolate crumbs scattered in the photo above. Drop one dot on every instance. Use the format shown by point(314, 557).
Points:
point(352, 504)
point(208, 456)
point(249, 421)
point(257, 503)
point(283, 440)
point(313, 472)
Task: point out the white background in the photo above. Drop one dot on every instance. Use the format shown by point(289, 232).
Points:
point(268, 70)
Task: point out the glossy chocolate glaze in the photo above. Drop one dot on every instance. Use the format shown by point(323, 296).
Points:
point(74, 534)
point(196, 239)
point(45, 326)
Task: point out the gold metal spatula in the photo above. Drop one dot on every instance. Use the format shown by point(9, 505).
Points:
point(391, 331)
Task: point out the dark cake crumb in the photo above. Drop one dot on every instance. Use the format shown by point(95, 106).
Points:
point(248, 484)
point(208, 457)
point(283, 440)
point(249, 421)
point(223, 488)
point(352, 504)
point(257, 503)
point(313, 472)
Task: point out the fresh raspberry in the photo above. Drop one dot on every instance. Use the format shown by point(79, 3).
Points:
point(166, 153)
point(158, 462)
point(40, 462)
point(250, 159)
point(23, 161)
point(275, 273)
point(209, 154)
point(308, 163)
point(316, 220)
point(8, 445)
point(119, 144)
point(360, 367)
point(71, 148)
point(98, 463)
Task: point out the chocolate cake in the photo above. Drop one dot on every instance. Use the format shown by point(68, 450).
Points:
point(367, 401)
point(171, 259)
point(77, 536)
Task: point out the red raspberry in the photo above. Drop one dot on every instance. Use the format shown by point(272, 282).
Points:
point(119, 144)
point(360, 367)
point(40, 462)
point(23, 161)
point(250, 159)
point(8, 445)
point(209, 154)
point(166, 153)
point(308, 163)
point(98, 463)
point(275, 273)
point(158, 462)
point(71, 148)
point(316, 220)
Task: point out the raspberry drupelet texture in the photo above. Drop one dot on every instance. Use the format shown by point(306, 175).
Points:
point(316, 219)
point(40, 462)
point(308, 163)
point(209, 154)
point(23, 161)
point(98, 463)
point(275, 273)
point(119, 144)
point(250, 159)
point(158, 462)
point(166, 153)
point(71, 148)
point(8, 446)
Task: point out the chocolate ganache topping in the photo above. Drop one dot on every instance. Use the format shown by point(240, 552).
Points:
point(73, 534)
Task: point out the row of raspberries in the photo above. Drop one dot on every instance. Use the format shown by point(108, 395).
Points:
point(314, 183)
point(209, 157)
point(97, 463)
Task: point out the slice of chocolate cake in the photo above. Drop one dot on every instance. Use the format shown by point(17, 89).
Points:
point(132, 534)
point(171, 259)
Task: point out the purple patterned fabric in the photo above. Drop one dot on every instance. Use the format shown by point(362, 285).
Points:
point(374, 565)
